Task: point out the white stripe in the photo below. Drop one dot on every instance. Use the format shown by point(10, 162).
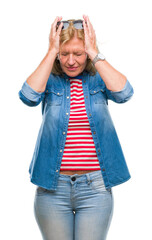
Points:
point(81, 102)
point(81, 113)
point(79, 158)
point(77, 153)
point(79, 135)
point(75, 127)
point(87, 167)
point(80, 144)
point(77, 97)
point(80, 123)
point(73, 163)
point(75, 79)
point(77, 93)
point(78, 149)
point(80, 131)
point(79, 140)
point(78, 117)
point(78, 105)
point(77, 109)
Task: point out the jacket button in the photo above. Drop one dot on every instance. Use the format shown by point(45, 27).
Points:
point(90, 114)
point(84, 80)
point(94, 132)
point(99, 150)
point(67, 96)
point(86, 96)
point(57, 170)
point(103, 169)
point(67, 113)
point(60, 150)
point(63, 132)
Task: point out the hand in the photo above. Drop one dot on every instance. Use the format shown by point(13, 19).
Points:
point(54, 37)
point(90, 38)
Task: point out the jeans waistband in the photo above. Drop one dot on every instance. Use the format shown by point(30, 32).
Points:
point(81, 177)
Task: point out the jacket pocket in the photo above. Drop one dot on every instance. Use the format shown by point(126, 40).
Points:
point(98, 93)
point(54, 96)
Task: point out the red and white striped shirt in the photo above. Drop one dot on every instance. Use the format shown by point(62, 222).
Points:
point(79, 152)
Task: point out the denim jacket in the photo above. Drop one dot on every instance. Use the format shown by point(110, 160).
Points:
point(45, 165)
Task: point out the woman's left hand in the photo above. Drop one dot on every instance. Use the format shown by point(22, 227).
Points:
point(90, 38)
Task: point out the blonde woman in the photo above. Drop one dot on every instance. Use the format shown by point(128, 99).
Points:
point(78, 157)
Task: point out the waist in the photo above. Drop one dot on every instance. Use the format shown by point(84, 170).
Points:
point(69, 172)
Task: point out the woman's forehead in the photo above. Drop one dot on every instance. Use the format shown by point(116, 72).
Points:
point(76, 44)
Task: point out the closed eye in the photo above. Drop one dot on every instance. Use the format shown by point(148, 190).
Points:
point(64, 54)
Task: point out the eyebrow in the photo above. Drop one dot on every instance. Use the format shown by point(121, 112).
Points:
point(76, 51)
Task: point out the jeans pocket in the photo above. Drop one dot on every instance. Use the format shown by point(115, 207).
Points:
point(97, 185)
point(41, 191)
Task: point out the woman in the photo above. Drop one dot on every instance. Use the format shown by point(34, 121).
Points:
point(78, 157)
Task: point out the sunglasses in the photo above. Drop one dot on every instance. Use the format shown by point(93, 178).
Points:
point(78, 24)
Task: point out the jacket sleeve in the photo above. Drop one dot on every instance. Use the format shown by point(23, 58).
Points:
point(29, 96)
point(121, 96)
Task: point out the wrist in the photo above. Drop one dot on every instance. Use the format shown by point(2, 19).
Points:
point(52, 51)
point(92, 54)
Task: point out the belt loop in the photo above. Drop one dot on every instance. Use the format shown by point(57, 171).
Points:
point(88, 178)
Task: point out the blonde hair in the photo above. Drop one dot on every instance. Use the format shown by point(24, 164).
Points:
point(65, 36)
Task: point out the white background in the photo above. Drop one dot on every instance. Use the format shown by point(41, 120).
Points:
point(123, 30)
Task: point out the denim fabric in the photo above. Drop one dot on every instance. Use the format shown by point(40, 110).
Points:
point(79, 209)
point(46, 161)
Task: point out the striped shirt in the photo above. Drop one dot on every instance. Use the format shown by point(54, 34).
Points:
point(79, 152)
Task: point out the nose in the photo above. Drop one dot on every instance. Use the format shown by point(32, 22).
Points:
point(71, 59)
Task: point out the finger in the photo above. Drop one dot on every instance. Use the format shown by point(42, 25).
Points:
point(85, 28)
point(90, 27)
point(59, 29)
point(54, 25)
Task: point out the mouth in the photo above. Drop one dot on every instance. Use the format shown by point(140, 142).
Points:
point(72, 68)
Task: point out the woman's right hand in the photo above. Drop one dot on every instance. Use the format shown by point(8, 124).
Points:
point(54, 37)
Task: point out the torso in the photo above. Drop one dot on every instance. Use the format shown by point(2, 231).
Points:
point(79, 156)
point(75, 172)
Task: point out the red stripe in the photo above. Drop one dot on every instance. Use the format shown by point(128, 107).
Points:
point(84, 151)
point(78, 169)
point(77, 139)
point(69, 147)
point(76, 155)
point(78, 129)
point(78, 165)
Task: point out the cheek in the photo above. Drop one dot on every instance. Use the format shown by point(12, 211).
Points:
point(62, 63)
point(83, 62)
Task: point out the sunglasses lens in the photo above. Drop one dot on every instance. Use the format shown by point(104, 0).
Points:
point(65, 25)
point(78, 24)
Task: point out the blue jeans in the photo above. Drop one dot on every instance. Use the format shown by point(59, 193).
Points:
point(80, 209)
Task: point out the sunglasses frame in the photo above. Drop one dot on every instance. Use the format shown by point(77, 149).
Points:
point(68, 23)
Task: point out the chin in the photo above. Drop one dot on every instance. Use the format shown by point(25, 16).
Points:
point(73, 74)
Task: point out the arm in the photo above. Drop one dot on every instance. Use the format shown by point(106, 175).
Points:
point(33, 89)
point(118, 87)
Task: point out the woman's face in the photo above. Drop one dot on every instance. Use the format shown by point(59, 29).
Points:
point(72, 57)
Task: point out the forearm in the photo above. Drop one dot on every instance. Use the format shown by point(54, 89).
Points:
point(38, 79)
point(114, 80)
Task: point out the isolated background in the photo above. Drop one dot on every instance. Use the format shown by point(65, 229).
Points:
point(123, 30)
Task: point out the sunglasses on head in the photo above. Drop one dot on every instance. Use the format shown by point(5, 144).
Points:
point(78, 24)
